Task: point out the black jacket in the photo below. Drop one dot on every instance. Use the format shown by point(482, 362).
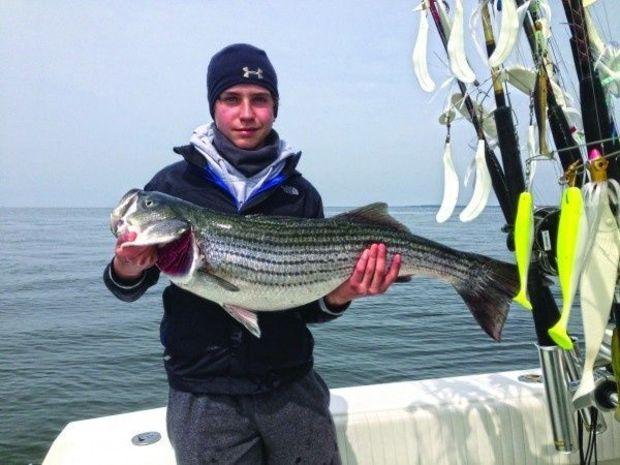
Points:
point(206, 350)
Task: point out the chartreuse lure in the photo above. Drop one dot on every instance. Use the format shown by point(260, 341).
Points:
point(571, 244)
point(524, 237)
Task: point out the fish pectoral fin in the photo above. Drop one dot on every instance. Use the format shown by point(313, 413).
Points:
point(219, 281)
point(246, 317)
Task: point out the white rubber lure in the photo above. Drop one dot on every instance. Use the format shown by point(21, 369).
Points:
point(607, 56)
point(450, 186)
point(521, 78)
point(597, 284)
point(608, 65)
point(488, 122)
point(512, 18)
point(474, 21)
point(456, 47)
point(443, 17)
point(524, 79)
point(420, 63)
point(482, 188)
point(593, 35)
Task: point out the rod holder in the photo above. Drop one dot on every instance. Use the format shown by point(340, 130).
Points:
point(557, 394)
point(573, 364)
point(604, 355)
point(606, 394)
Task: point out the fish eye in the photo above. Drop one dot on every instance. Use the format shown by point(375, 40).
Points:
point(148, 203)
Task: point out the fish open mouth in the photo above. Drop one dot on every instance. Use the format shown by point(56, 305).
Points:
point(175, 258)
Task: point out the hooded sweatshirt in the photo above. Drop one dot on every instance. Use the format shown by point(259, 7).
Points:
point(206, 350)
point(241, 186)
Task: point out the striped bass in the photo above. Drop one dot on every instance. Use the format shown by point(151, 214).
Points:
point(257, 263)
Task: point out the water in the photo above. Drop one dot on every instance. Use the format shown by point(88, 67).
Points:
point(70, 350)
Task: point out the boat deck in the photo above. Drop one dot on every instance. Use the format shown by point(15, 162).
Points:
point(488, 419)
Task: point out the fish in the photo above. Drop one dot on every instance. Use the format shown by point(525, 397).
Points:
point(258, 263)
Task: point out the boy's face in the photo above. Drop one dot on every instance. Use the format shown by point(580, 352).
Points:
point(244, 114)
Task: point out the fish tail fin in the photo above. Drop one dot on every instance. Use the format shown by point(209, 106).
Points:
point(488, 289)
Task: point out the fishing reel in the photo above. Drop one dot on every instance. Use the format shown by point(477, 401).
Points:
point(544, 248)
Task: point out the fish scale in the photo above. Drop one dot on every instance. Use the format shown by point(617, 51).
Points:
point(270, 254)
point(258, 263)
point(284, 258)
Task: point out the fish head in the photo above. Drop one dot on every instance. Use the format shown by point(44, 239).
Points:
point(154, 217)
point(120, 211)
point(158, 219)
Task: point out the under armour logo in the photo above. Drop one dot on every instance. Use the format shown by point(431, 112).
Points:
point(247, 72)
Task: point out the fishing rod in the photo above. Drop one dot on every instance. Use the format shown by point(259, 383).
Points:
point(597, 123)
point(545, 310)
point(498, 178)
point(506, 133)
point(600, 131)
point(601, 143)
point(561, 131)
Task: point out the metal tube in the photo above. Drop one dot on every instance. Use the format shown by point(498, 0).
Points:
point(606, 394)
point(573, 363)
point(604, 355)
point(558, 402)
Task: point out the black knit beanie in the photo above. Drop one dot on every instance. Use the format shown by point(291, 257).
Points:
point(240, 64)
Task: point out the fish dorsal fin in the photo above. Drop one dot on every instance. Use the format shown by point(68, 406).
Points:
point(375, 213)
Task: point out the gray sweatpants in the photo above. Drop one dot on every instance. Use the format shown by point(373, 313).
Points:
point(291, 425)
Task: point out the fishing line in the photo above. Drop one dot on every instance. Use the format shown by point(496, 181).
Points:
point(599, 141)
point(560, 62)
point(443, 63)
point(484, 93)
point(582, 168)
point(584, 56)
point(606, 16)
point(590, 449)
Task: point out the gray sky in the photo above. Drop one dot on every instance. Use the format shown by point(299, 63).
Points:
point(93, 95)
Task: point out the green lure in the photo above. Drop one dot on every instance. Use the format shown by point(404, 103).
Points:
point(524, 237)
point(572, 238)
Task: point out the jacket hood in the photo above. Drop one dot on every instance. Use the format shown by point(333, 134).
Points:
point(242, 188)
